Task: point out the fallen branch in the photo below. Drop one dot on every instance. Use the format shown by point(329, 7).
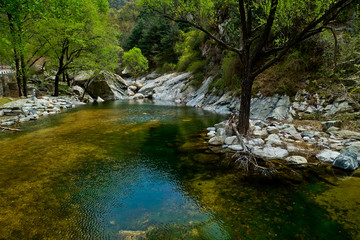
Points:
point(10, 129)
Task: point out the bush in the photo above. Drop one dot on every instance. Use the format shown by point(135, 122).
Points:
point(231, 71)
point(135, 62)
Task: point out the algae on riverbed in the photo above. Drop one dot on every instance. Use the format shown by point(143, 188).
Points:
point(342, 203)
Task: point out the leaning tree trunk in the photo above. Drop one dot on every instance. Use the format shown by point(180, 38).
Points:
point(244, 113)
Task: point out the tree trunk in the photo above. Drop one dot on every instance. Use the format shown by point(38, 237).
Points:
point(24, 74)
point(18, 73)
point(67, 79)
point(244, 113)
point(57, 79)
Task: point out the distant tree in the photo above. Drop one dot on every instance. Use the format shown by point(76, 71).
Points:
point(156, 37)
point(135, 62)
point(261, 32)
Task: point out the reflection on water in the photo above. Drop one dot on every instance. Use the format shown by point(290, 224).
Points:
point(100, 170)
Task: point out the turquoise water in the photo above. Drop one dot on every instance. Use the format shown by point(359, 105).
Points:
point(115, 170)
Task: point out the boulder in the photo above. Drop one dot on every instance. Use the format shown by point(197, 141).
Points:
point(217, 141)
point(346, 134)
point(327, 155)
point(133, 88)
point(82, 78)
point(355, 148)
point(138, 96)
point(270, 153)
point(108, 86)
point(346, 161)
point(78, 90)
point(296, 159)
point(231, 140)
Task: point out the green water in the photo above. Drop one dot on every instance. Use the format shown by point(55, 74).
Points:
point(95, 171)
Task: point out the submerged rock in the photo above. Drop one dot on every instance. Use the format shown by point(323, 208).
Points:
point(132, 235)
point(346, 161)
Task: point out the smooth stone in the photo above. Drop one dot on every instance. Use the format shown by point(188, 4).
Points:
point(352, 148)
point(270, 153)
point(346, 161)
point(296, 159)
point(307, 134)
point(220, 125)
point(272, 130)
point(260, 133)
point(327, 155)
point(217, 141)
point(211, 129)
point(211, 134)
point(236, 147)
point(231, 140)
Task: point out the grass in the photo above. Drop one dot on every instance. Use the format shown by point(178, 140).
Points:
point(4, 100)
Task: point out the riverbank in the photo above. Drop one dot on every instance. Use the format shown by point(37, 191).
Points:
point(13, 113)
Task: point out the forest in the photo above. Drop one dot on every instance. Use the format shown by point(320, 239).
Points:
point(248, 46)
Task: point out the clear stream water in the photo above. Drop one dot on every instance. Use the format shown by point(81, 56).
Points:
point(116, 170)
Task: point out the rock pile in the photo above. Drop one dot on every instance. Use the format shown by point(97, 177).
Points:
point(272, 140)
point(24, 110)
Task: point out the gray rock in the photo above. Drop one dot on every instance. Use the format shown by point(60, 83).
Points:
point(347, 161)
point(217, 141)
point(352, 148)
point(211, 134)
point(260, 133)
point(307, 134)
point(138, 96)
point(1, 113)
point(221, 132)
point(231, 140)
point(99, 100)
point(78, 90)
point(132, 88)
point(346, 134)
point(332, 129)
point(272, 130)
point(276, 107)
point(329, 124)
point(108, 86)
point(270, 153)
point(130, 92)
point(236, 147)
point(296, 159)
point(211, 129)
point(327, 155)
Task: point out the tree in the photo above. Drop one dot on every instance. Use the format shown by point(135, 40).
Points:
point(19, 17)
point(135, 62)
point(261, 32)
point(79, 37)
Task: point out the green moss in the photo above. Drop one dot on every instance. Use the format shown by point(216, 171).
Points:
point(4, 100)
point(342, 203)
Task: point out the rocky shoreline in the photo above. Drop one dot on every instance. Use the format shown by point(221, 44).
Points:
point(32, 108)
point(301, 144)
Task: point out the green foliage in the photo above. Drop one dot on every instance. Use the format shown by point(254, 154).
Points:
point(188, 48)
point(156, 37)
point(231, 71)
point(136, 63)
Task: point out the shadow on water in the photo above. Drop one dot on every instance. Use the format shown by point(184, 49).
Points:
point(122, 171)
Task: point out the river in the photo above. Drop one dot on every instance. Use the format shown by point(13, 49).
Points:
point(115, 170)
